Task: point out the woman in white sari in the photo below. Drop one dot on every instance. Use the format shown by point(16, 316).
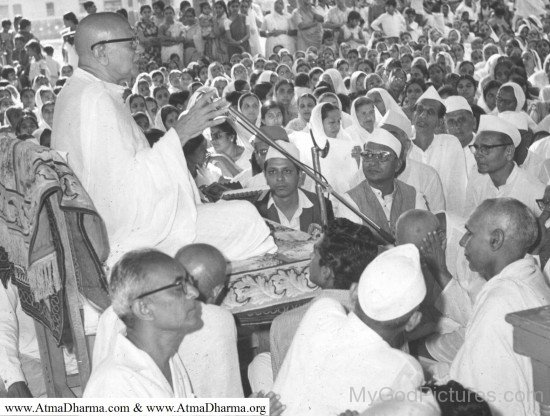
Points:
point(383, 102)
point(363, 118)
point(338, 167)
point(333, 77)
point(330, 97)
point(277, 27)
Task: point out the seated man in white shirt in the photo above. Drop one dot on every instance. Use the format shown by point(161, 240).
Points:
point(460, 122)
point(421, 176)
point(441, 151)
point(338, 259)
point(380, 196)
point(155, 297)
point(336, 354)
point(498, 236)
point(534, 163)
point(494, 148)
point(285, 202)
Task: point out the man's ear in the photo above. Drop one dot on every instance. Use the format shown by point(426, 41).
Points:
point(497, 239)
point(413, 321)
point(142, 310)
point(327, 276)
point(100, 55)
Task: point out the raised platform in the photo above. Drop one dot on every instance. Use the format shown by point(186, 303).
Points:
point(263, 287)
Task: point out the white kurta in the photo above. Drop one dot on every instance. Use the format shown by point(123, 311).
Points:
point(317, 378)
point(446, 156)
point(209, 354)
point(146, 196)
point(131, 372)
point(487, 362)
point(519, 185)
point(425, 180)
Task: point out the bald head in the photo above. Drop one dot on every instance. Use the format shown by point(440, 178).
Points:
point(207, 265)
point(414, 225)
point(98, 27)
point(110, 62)
point(513, 218)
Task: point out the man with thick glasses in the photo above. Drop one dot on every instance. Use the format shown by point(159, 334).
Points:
point(155, 297)
point(380, 196)
point(499, 176)
point(145, 195)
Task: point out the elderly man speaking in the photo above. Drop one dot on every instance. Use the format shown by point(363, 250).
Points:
point(145, 195)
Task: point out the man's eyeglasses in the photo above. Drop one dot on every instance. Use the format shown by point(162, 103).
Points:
point(180, 282)
point(484, 149)
point(383, 156)
point(134, 40)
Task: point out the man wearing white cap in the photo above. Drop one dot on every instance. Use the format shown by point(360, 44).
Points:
point(500, 177)
point(380, 196)
point(421, 176)
point(441, 151)
point(285, 202)
point(498, 235)
point(532, 162)
point(460, 122)
point(339, 360)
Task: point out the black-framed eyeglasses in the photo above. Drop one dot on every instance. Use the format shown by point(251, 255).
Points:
point(484, 149)
point(133, 39)
point(181, 281)
point(383, 156)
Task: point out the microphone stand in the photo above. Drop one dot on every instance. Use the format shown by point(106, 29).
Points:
point(314, 174)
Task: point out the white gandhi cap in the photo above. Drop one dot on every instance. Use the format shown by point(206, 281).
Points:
point(273, 153)
point(431, 94)
point(392, 285)
point(499, 125)
point(385, 138)
point(399, 120)
point(456, 103)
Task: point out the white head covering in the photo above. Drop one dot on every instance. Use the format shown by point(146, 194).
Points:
point(337, 81)
point(258, 121)
point(392, 285)
point(499, 125)
point(516, 118)
point(431, 94)
point(273, 153)
point(385, 138)
point(316, 126)
point(142, 77)
point(399, 120)
point(457, 103)
point(353, 80)
point(518, 93)
point(234, 68)
point(265, 76)
point(389, 103)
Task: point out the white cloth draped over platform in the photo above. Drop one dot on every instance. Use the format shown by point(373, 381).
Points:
point(145, 195)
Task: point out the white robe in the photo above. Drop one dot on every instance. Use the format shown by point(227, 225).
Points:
point(131, 372)
point(146, 196)
point(317, 377)
point(487, 362)
point(446, 156)
point(209, 354)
